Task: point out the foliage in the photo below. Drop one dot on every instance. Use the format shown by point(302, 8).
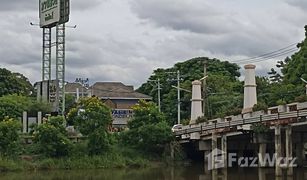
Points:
point(100, 141)
point(93, 119)
point(260, 106)
point(13, 105)
point(149, 131)
point(9, 141)
point(145, 113)
point(223, 90)
point(301, 98)
point(70, 102)
point(259, 128)
point(201, 119)
point(14, 83)
point(51, 138)
point(90, 114)
point(295, 66)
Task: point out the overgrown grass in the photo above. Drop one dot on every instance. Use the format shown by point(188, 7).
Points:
point(112, 159)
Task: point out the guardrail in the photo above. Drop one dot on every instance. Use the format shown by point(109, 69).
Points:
point(243, 121)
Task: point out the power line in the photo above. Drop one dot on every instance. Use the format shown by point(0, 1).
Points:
point(270, 57)
point(268, 54)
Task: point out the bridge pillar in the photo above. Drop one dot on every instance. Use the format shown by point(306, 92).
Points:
point(224, 150)
point(278, 170)
point(213, 154)
point(261, 155)
point(289, 149)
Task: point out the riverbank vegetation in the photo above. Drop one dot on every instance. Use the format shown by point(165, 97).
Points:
point(146, 141)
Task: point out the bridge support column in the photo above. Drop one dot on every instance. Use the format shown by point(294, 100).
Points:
point(261, 155)
point(289, 150)
point(213, 155)
point(278, 170)
point(224, 149)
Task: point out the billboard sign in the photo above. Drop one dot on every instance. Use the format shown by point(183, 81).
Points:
point(49, 12)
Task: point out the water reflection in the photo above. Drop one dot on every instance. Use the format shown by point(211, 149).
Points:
point(195, 172)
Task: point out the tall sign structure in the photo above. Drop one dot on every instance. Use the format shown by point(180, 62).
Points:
point(54, 13)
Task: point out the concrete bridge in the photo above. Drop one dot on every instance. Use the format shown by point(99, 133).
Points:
point(236, 141)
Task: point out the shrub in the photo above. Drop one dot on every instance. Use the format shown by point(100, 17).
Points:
point(9, 141)
point(51, 138)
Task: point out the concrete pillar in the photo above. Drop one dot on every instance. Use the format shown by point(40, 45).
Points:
point(250, 94)
point(261, 154)
point(213, 158)
point(39, 118)
point(24, 122)
point(278, 170)
point(289, 149)
point(206, 168)
point(196, 105)
point(224, 149)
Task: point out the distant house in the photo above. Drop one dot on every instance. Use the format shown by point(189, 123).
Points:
point(119, 97)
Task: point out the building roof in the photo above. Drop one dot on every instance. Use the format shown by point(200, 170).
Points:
point(116, 90)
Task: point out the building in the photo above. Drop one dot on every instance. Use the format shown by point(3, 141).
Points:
point(116, 95)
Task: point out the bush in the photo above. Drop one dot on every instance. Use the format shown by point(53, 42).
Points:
point(260, 106)
point(100, 141)
point(51, 138)
point(9, 141)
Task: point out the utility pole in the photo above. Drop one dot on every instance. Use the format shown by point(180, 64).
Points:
point(204, 87)
point(157, 83)
point(159, 95)
point(178, 96)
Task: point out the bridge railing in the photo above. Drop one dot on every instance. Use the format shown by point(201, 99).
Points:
point(244, 121)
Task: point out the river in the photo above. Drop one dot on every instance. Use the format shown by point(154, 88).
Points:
point(194, 172)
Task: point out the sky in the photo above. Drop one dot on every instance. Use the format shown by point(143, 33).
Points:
point(125, 40)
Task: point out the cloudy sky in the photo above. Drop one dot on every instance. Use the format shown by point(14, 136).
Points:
point(125, 40)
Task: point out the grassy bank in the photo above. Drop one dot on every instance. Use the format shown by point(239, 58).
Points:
point(108, 160)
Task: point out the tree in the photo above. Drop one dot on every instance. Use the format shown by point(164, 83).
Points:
point(222, 79)
point(14, 83)
point(90, 114)
point(296, 66)
point(51, 138)
point(13, 105)
point(9, 141)
point(93, 118)
point(148, 129)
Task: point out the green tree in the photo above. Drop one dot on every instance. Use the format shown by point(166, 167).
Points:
point(222, 79)
point(9, 141)
point(51, 138)
point(14, 83)
point(13, 105)
point(93, 118)
point(148, 129)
